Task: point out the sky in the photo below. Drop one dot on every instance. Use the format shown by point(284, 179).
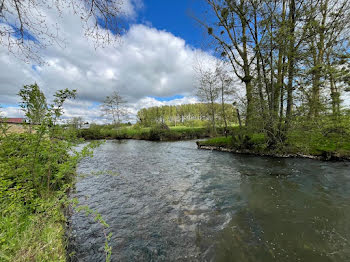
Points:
point(151, 64)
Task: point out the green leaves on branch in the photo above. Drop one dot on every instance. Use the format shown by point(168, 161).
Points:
point(35, 106)
point(33, 103)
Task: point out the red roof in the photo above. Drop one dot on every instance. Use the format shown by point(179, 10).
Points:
point(14, 120)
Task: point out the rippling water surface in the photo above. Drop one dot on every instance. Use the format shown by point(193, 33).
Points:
point(173, 202)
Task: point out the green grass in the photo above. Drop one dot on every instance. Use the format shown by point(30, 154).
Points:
point(218, 141)
point(145, 133)
point(184, 128)
point(316, 142)
point(27, 236)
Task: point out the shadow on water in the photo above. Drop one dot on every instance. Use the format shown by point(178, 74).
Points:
point(172, 202)
point(294, 210)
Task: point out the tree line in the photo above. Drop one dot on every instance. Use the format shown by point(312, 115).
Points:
point(292, 57)
point(187, 114)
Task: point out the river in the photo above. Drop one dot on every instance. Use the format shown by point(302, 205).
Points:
point(170, 201)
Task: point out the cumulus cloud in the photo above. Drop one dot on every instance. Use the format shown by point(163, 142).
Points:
point(145, 63)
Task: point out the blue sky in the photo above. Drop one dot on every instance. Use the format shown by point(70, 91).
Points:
point(174, 17)
point(167, 98)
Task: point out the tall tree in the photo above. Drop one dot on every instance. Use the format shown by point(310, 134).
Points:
point(115, 106)
point(230, 31)
point(225, 85)
point(33, 104)
point(328, 33)
point(208, 91)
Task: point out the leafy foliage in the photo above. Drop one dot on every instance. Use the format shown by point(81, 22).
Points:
point(155, 133)
point(193, 115)
point(37, 169)
point(33, 103)
point(328, 138)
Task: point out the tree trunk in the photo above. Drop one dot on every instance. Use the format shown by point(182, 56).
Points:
point(280, 68)
point(246, 68)
point(223, 107)
point(291, 56)
point(239, 118)
point(318, 64)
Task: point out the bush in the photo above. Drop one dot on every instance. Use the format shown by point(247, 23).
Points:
point(218, 141)
point(157, 132)
point(196, 123)
point(325, 136)
point(37, 170)
point(94, 132)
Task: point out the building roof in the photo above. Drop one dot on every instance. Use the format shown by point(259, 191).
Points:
point(17, 120)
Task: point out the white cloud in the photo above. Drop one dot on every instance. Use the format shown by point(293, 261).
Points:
point(150, 101)
point(11, 111)
point(146, 62)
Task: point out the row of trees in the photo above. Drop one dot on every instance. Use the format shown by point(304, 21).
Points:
point(291, 55)
point(188, 114)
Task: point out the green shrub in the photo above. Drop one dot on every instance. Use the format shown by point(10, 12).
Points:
point(157, 132)
point(37, 169)
point(91, 133)
point(196, 123)
point(327, 135)
point(218, 141)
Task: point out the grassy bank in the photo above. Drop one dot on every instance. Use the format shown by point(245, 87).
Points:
point(33, 236)
point(37, 171)
point(326, 139)
point(156, 133)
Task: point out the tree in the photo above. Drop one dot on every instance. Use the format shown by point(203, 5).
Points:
point(25, 28)
point(208, 90)
point(56, 108)
point(4, 127)
point(225, 84)
point(45, 118)
point(230, 31)
point(328, 34)
point(291, 56)
point(114, 106)
point(36, 109)
point(33, 104)
point(76, 122)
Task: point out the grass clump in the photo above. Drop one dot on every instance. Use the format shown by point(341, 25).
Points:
point(326, 137)
point(28, 236)
point(218, 141)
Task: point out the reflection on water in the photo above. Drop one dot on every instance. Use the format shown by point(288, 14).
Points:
point(172, 202)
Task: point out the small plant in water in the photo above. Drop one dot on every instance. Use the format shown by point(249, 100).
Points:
point(98, 218)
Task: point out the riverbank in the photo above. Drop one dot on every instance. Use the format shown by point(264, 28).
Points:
point(33, 236)
point(258, 147)
point(157, 133)
point(37, 172)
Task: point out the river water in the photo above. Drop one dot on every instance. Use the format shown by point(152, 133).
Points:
point(173, 202)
